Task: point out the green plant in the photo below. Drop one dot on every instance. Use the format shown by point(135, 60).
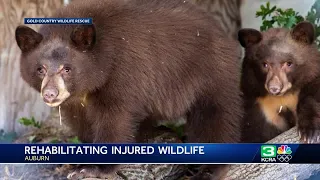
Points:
point(55, 140)
point(178, 129)
point(287, 18)
point(74, 140)
point(314, 17)
point(29, 122)
point(277, 17)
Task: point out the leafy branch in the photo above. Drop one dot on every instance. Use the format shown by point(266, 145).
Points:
point(313, 16)
point(29, 122)
point(288, 18)
point(277, 17)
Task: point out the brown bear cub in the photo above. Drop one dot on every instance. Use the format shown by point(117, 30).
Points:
point(280, 82)
point(141, 59)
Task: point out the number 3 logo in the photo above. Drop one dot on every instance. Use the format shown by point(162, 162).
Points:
point(268, 151)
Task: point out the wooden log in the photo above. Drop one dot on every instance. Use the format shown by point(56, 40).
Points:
point(275, 171)
point(17, 99)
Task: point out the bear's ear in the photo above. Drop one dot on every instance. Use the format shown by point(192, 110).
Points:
point(248, 37)
point(83, 36)
point(303, 32)
point(27, 39)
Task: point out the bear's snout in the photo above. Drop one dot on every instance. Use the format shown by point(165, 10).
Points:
point(274, 85)
point(275, 90)
point(53, 90)
point(50, 94)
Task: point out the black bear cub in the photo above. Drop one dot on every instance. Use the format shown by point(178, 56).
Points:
point(141, 59)
point(280, 82)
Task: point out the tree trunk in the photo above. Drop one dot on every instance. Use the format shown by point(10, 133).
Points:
point(17, 99)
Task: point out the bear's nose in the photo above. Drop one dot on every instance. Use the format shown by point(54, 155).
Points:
point(274, 90)
point(50, 94)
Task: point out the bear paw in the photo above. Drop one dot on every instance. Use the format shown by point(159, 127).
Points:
point(92, 171)
point(309, 135)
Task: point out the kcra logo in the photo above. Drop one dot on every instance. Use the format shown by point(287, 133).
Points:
point(270, 153)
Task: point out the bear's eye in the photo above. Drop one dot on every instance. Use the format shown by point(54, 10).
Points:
point(67, 69)
point(41, 70)
point(265, 65)
point(289, 64)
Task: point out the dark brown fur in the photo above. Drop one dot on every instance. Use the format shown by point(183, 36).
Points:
point(285, 59)
point(150, 59)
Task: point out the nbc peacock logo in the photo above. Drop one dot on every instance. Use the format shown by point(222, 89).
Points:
point(284, 153)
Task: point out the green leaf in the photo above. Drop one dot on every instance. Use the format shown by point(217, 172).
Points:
point(299, 19)
point(25, 121)
point(291, 22)
point(280, 10)
point(259, 13)
point(74, 140)
point(262, 8)
point(177, 129)
point(266, 25)
point(29, 122)
point(273, 9)
point(55, 140)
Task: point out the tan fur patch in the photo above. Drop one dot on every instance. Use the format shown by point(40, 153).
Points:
point(60, 85)
point(84, 100)
point(60, 68)
point(271, 105)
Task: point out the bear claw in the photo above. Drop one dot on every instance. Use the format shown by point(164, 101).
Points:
point(83, 171)
point(91, 171)
point(87, 172)
point(70, 175)
point(310, 137)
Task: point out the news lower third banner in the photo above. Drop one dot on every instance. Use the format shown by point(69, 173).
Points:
point(58, 21)
point(158, 153)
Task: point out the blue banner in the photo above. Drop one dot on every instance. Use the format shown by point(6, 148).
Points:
point(159, 153)
point(57, 20)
